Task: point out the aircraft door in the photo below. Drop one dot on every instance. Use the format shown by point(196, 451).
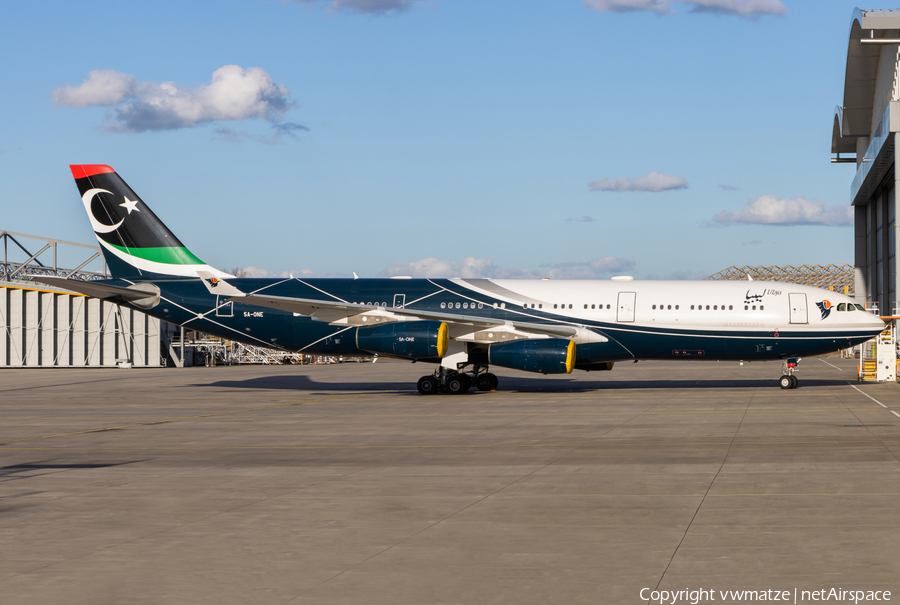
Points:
point(399, 300)
point(798, 308)
point(224, 308)
point(626, 306)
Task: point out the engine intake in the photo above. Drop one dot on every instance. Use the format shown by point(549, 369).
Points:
point(544, 355)
point(412, 339)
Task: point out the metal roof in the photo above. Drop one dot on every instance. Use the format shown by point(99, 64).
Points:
point(854, 117)
point(836, 277)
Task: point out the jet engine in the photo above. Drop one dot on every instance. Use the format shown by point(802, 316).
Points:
point(411, 339)
point(544, 355)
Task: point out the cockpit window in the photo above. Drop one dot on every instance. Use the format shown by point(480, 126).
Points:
point(860, 307)
point(842, 307)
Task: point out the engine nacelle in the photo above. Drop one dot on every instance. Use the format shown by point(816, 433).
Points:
point(412, 339)
point(544, 355)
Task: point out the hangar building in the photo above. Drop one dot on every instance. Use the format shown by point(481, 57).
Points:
point(863, 132)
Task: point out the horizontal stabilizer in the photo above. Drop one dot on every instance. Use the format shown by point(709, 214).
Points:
point(217, 285)
point(143, 295)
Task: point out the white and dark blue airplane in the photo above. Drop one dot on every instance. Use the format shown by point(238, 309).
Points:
point(462, 326)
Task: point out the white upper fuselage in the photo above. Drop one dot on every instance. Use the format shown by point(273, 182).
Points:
point(685, 305)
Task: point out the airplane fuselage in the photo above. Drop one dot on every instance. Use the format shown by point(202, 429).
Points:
point(747, 320)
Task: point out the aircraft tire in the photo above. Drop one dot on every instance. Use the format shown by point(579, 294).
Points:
point(786, 382)
point(427, 385)
point(494, 381)
point(486, 382)
point(458, 384)
point(794, 381)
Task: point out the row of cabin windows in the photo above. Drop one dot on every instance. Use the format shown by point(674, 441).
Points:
point(466, 305)
point(707, 307)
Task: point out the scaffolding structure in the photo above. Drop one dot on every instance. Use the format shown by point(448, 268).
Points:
point(878, 357)
point(36, 264)
point(838, 278)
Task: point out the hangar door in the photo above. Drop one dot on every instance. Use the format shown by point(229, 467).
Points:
point(626, 306)
point(798, 308)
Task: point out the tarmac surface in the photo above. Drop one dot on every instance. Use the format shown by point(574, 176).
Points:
point(340, 484)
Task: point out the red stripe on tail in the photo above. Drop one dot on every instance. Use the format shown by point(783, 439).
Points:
point(80, 171)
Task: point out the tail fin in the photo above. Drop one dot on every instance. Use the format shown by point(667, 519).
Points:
point(136, 244)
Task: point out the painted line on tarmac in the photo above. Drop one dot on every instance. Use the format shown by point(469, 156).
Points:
point(691, 446)
point(869, 396)
point(210, 415)
point(832, 365)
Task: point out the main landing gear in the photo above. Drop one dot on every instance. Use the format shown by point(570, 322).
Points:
point(788, 380)
point(445, 380)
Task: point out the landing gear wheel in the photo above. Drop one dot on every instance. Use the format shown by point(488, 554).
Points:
point(458, 384)
point(786, 382)
point(795, 381)
point(427, 385)
point(486, 382)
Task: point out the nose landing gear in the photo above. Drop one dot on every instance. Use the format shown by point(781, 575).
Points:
point(457, 382)
point(788, 380)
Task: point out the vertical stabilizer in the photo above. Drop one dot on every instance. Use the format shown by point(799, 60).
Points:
point(136, 244)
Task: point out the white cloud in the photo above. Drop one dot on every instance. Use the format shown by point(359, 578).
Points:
point(472, 268)
point(687, 274)
point(300, 273)
point(581, 219)
point(772, 210)
point(234, 94)
point(653, 181)
point(740, 8)
point(376, 7)
point(629, 6)
point(102, 87)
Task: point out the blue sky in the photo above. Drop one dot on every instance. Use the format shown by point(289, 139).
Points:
point(406, 136)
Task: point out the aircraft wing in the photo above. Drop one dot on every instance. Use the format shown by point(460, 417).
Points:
point(338, 312)
point(312, 307)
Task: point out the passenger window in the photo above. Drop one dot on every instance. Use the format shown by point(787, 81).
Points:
point(670, 307)
point(443, 305)
point(715, 307)
point(457, 305)
point(502, 305)
point(754, 307)
point(570, 305)
point(730, 307)
point(540, 306)
point(495, 305)
point(585, 305)
point(607, 306)
point(676, 307)
point(480, 305)
point(761, 307)
point(654, 307)
point(842, 307)
point(707, 307)
point(554, 305)
point(692, 307)
point(745, 307)
point(465, 305)
point(592, 306)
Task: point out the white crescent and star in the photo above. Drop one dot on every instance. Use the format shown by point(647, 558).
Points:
point(97, 225)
